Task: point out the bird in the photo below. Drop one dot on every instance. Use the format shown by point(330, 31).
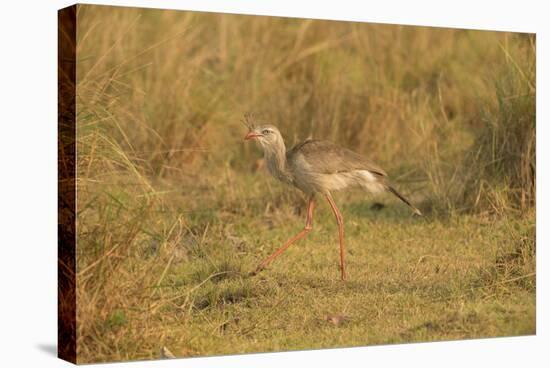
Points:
point(317, 168)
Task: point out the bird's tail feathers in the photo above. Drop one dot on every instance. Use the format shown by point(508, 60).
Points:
point(405, 200)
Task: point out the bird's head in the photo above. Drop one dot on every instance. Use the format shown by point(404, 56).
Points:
point(267, 135)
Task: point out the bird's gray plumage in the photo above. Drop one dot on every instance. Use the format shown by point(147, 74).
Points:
point(318, 166)
point(327, 158)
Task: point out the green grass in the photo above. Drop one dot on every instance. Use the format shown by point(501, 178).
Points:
point(175, 210)
point(410, 279)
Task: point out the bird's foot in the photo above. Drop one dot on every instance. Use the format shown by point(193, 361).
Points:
point(416, 212)
point(343, 275)
point(257, 270)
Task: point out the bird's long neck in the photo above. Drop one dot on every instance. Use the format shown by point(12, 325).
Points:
point(275, 157)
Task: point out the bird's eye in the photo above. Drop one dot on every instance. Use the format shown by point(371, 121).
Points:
point(266, 131)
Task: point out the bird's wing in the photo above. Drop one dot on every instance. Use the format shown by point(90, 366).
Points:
point(327, 158)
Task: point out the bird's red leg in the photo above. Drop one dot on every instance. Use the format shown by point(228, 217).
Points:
point(301, 234)
point(340, 222)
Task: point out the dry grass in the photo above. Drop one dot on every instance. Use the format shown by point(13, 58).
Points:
point(172, 213)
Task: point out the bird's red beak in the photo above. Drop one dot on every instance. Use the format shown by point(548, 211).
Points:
point(251, 135)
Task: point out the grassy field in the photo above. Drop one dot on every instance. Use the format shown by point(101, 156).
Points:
point(174, 209)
